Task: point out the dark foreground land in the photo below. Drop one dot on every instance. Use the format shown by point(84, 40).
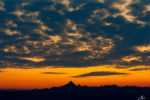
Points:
point(72, 92)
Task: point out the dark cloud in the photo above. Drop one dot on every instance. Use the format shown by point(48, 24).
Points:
point(52, 73)
point(123, 67)
point(73, 33)
point(140, 69)
point(106, 73)
point(1, 71)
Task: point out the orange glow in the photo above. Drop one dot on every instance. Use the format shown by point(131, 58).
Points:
point(32, 78)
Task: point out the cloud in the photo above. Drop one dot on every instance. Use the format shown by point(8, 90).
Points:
point(74, 33)
point(142, 48)
point(52, 73)
point(2, 5)
point(34, 59)
point(1, 71)
point(124, 9)
point(123, 67)
point(103, 73)
point(140, 69)
point(131, 58)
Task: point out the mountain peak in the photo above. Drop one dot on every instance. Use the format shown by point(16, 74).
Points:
point(70, 82)
point(70, 85)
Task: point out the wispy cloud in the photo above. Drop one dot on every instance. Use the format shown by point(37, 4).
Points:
point(102, 73)
point(140, 69)
point(1, 71)
point(52, 73)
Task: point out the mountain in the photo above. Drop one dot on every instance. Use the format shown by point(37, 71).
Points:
point(69, 85)
point(71, 91)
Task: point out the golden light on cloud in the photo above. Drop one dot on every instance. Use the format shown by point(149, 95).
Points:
point(55, 38)
point(2, 5)
point(34, 59)
point(124, 10)
point(131, 58)
point(101, 1)
point(18, 13)
point(143, 48)
point(10, 49)
point(10, 32)
point(148, 7)
point(11, 23)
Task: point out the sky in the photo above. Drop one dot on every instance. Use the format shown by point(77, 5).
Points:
point(47, 43)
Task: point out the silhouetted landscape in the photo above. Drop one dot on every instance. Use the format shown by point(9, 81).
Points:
point(71, 91)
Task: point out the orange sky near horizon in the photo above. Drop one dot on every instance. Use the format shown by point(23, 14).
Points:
point(15, 78)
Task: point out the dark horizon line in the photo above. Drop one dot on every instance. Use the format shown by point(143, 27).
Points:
point(11, 89)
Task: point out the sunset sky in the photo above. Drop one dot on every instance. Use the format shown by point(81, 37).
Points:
point(47, 43)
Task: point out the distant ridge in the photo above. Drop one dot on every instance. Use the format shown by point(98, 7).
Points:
point(71, 91)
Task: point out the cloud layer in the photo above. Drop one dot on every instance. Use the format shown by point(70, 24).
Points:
point(52, 73)
point(106, 73)
point(140, 69)
point(74, 33)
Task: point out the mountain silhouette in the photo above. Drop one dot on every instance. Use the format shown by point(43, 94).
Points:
point(71, 91)
point(69, 85)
